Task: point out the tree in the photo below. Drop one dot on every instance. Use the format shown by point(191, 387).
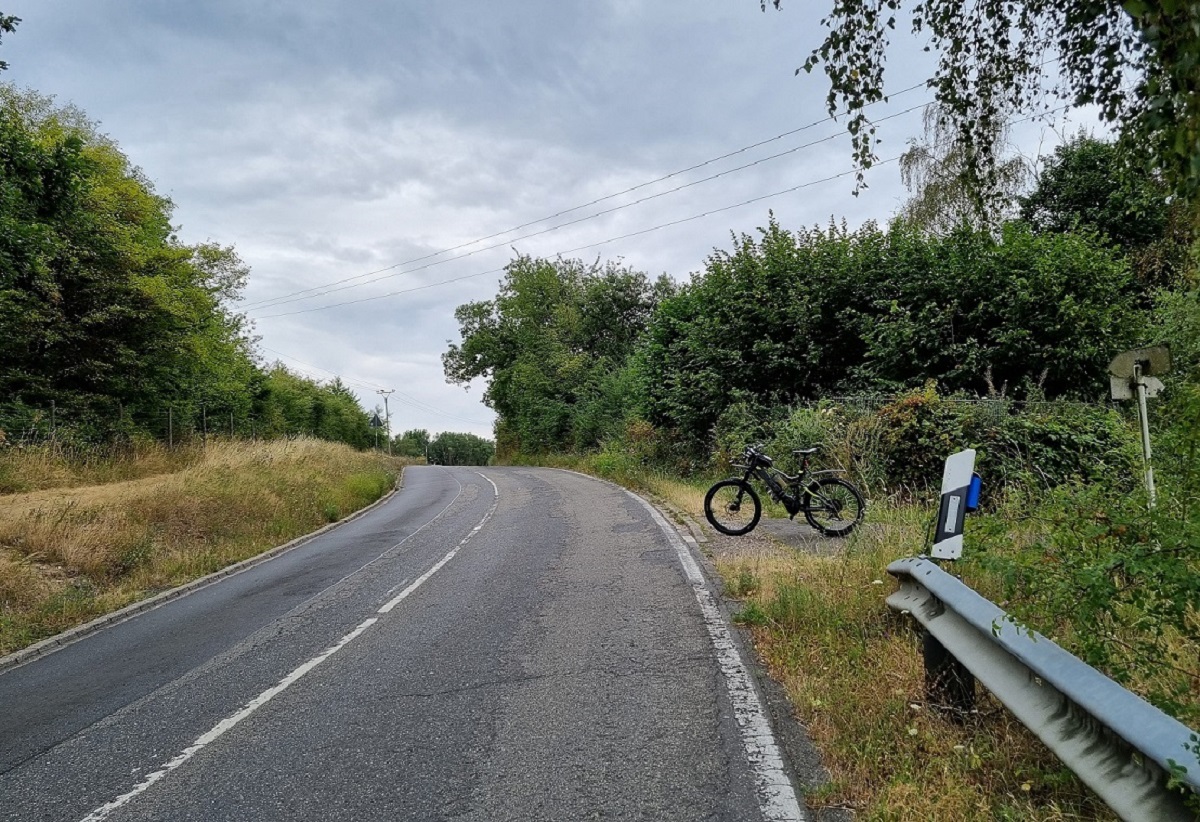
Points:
point(1088, 185)
point(8, 24)
point(1137, 61)
point(288, 404)
point(102, 310)
point(450, 448)
point(938, 175)
point(552, 344)
point(1042, 313)
point(797, 316)
point(412, 443)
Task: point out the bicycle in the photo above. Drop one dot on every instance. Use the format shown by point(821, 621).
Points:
point(832, 505)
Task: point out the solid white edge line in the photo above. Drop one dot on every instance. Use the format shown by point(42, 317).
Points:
point(776, 795)
point(226, 724)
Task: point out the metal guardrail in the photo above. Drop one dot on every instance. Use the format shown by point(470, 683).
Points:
point(1122, 747)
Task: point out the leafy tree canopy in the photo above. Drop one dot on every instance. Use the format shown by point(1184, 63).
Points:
point(1137, 61)
point(553, 346)
point(101, 308)
point(938, 174)
point(802, 315)
point(450, 448)
point(412, 443)
point(8, 24)
point(108, 318)
point(1086, 186)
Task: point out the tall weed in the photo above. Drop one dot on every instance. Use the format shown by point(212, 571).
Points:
point(73, 551)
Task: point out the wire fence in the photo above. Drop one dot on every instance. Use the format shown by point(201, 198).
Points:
point(172, 425)
point(187, 423)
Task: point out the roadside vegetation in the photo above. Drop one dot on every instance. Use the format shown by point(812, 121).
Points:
point(979, 318)
point(114, 329)
point(90, 532)
point(893, 347)
point(853, 669)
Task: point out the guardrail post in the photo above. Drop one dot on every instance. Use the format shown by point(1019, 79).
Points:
point(1144, 764)
point(948, 683)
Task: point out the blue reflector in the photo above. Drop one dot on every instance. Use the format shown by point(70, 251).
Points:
point(973, 492)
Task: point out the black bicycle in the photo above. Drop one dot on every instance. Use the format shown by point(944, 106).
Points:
point(831, 504)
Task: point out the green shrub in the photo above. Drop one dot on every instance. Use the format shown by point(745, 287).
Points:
point(899, 448)
point(1106, 577)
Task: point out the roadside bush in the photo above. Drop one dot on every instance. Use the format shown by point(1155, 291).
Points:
point(917, 432)
point(1114, 582)
point(1049, 444)
point(898, 449)
point(741, 424)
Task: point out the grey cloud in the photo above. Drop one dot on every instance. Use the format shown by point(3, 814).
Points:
point(326, 140)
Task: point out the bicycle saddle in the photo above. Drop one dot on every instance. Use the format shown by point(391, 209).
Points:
point(804, 452)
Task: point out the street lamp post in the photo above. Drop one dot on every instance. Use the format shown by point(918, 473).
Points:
point(387, 416)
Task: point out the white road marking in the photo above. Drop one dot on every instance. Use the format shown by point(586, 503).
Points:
point(229, 722)
point(397, 587)
point(226, 724)
point(776, 796)
point(400, 597)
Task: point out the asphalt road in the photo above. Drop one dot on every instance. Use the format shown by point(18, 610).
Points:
point(491, 644)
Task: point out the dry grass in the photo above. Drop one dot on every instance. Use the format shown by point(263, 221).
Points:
point(855, 677)
point(64, 466)
point(74, 550)
point(854, 673)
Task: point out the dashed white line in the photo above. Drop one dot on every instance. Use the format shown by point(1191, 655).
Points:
point(226, 724)
point(400, 597)
point(229, 722)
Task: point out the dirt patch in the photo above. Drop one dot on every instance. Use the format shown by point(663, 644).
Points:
point(773, 537)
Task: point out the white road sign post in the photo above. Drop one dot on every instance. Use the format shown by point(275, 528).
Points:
point(1135, 374)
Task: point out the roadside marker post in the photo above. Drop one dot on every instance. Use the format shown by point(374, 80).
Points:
point(960, 494)
point(949, 685)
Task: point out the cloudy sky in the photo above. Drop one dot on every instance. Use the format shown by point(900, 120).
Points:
point(370, 160)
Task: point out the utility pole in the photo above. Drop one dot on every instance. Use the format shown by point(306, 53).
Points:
point(387, 416)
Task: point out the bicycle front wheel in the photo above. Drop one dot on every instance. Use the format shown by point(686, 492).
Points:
point(732, 507)
point(833, 506)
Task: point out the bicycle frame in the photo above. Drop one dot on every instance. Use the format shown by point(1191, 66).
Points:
point(790, 492)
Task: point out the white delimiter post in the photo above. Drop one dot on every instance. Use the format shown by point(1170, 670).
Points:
point(956, 484)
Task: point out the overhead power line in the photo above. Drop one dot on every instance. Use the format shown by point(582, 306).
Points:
point(403, 398)
point(658, 227)
point(338, 285)
point(577, 220)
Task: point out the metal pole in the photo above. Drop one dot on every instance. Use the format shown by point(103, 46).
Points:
point(387, 415)
point(1140, 385)
point(170, 427)
point(948, 684)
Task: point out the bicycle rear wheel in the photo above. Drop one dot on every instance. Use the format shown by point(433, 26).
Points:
point(833, 506)
point(732, 507)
